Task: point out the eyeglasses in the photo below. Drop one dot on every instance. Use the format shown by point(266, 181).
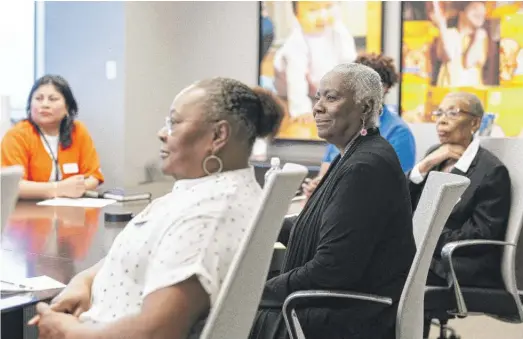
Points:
point(452, 114)
point(169, 123)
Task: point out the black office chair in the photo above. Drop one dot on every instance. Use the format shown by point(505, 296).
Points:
point(505, 304)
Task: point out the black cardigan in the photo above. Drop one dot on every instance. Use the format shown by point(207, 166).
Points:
point(482, 213)
point(354, 234)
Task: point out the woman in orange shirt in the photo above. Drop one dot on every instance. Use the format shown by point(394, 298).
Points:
point(57, 152)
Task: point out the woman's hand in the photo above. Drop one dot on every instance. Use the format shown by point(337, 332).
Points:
point(54, 325)
point(445, 152)
point(72, 187)
point(310, 185)
point(75, 299)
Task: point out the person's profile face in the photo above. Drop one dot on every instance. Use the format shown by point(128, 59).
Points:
point(187, 136)
point(335, 110)
point(456, 128)
point(314, 16)
point(48, 105)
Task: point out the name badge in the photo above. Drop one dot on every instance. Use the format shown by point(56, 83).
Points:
point(71, 168)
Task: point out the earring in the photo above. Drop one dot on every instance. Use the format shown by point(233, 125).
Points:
point(363, 131)
point(212, 157)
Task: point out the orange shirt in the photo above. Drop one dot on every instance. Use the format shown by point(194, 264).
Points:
point(22, 145)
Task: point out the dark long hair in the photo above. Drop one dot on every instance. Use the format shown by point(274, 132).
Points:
point(61, 85)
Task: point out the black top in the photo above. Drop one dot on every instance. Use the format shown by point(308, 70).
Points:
point(354, 234)
point(482, 213)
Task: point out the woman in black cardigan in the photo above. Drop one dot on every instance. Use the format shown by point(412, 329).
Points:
point(355, 232)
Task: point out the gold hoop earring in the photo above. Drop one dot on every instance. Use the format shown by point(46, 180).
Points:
point(212, 157)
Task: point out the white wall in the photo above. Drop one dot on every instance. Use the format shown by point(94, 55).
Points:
point(17, 52)
point(79, 38)
point(184, 42)
point(5, 115)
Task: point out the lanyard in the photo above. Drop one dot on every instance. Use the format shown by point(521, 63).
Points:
point(55, 158)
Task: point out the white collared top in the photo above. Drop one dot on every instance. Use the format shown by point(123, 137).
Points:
point(463, 164)
point(193, 231)
point(54, 142)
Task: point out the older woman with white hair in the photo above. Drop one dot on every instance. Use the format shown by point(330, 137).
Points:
point(482, 212)
point(355, 232)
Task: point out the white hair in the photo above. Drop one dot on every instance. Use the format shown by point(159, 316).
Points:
point(475, 106)
point(365, 84)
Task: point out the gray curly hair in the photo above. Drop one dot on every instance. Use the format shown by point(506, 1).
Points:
point(475, 107)
point(365, 84)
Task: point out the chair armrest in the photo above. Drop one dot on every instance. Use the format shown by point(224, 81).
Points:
point(446, 256)
point(318, 297)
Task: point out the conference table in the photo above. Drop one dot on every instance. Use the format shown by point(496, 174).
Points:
point(59, 242)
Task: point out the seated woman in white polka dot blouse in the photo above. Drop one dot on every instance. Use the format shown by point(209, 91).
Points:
point(164, 270)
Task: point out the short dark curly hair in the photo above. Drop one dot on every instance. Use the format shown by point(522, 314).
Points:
point(253, 112)
point(383, 65)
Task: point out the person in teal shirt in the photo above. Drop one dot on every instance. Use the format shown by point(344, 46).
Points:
point(391, 126)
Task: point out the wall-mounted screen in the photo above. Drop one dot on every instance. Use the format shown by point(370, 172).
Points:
point(473, 46)
point(301, 40)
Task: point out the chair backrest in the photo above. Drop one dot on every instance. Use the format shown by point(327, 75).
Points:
point(510, 152)
point(9, 185)
point(233, 314)
point(441, 193)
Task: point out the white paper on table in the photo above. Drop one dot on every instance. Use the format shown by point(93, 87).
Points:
point(34, 284)
point(80, 202)
point(15, 300)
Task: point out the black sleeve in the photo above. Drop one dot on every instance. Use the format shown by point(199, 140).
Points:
point(349, 231)
point(286, 228)
point(490, 215)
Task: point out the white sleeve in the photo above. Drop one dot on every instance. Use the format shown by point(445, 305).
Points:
point(298, 88)
point(416, 176)
point(185, 250)
point(296, 61)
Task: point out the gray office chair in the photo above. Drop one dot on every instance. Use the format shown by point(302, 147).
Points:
point(444, 303)
point(441, 193)
point(233, 314)
point(9, 185)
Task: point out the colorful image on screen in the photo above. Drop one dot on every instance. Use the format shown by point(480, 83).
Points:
point(303, 40)
point(473, 46)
